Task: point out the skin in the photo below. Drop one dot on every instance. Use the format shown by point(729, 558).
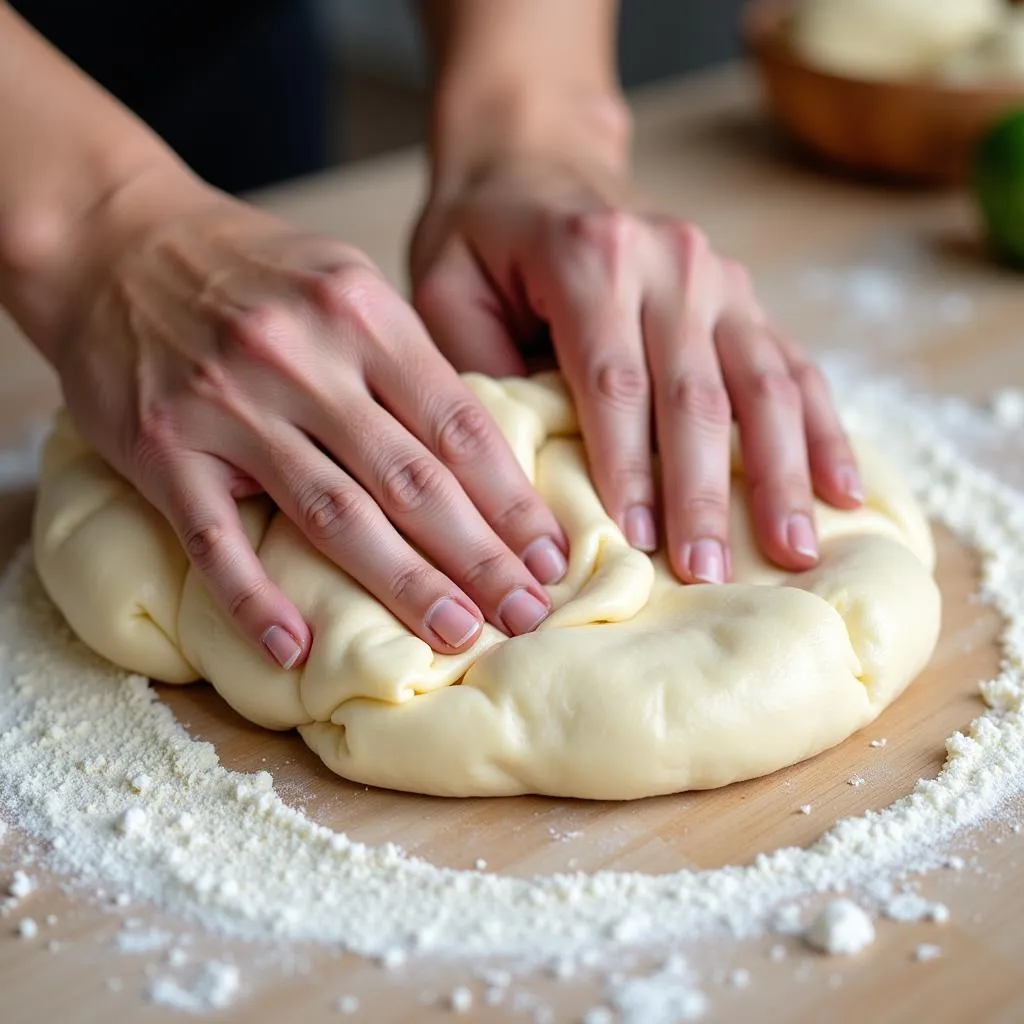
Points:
point(211, 351)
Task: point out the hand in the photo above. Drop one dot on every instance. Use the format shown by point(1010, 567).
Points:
point(210, 351)
point(643, 317)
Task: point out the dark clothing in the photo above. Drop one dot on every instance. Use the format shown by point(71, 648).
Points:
point(238, 88)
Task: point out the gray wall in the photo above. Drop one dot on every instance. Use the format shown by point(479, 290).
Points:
point(657, 38)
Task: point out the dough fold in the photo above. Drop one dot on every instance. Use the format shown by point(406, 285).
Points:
point(635, 685)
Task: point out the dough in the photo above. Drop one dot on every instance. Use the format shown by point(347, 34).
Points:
point(998, 57)
point(636, 685)
point(889, 39)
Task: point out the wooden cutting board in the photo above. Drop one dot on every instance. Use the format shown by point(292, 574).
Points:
point(704, 152)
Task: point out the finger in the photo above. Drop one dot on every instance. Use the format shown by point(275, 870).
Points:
point(427, 396)
point(195, 498)
point(422, 498)
point(693, 416)
point(833, 464)
point(462, 314)
point(343, 522)
point(591, 299)
point(769, 411)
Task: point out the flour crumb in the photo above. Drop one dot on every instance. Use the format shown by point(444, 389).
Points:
point(27, 928)
point(956, 863)
point(910, 908)
point(927, 951)
point(21, 885)
point(841, 928)
point(216, 988)
point(1008, 409)
point(347, 1004)
point(480, 864)
point(777, 953)
point(805, 808)
point(879, 743)
point(122, 899)
point(394, 958)
point(857, 780)
point(461, 1000)
point(130, 941)
point(140, 783)
point(133, 822)
point(739, 978)
point(177, 957)
point(786, 920)
point(114, 984)
point(661, 998)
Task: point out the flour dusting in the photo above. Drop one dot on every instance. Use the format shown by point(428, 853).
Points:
point(95, 767)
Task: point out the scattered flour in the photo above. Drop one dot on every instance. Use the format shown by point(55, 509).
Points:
point(27, 928)
point(222, 850)
point(214, 989)
point(910, 908)
point(841, 928)
point(926, 951)
point(21, 885)
point(667, 997)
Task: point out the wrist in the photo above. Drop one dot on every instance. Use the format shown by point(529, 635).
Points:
point(52, 245)
point(572, 122)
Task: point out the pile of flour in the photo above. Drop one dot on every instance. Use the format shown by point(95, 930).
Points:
point(94, 766)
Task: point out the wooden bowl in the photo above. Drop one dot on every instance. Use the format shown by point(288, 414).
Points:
point(919, 131)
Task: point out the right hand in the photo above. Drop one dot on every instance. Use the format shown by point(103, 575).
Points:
point(210, 351)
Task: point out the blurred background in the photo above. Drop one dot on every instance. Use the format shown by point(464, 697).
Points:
point(379, 67)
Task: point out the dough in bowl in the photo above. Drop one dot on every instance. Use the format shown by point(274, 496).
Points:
point(636, 685)
point(890, 39)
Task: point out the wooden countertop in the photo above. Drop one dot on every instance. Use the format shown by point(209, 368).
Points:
point(704, 151)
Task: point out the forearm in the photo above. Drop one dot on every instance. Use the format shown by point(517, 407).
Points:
point(67, 148)
point(522, 75)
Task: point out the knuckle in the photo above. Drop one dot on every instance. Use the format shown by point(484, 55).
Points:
point(246, 596)
point(203, 542)
point(809, 378)
point(706, 511)
point(610, 234)
point(349, 290)
point(517, 516)
point(688, 242)
point(325, 513)
point(703, 399)
point(737, 277)
point(622, 382)
point(775, 386)
point(409, 485)
point(791, 489)
point(255, 333)
point(486, 567)
point(464, 433)
point(409, 581)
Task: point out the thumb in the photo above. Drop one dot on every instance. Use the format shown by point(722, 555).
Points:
point(463, 315)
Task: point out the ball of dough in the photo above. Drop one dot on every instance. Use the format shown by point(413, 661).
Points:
point(889, 39)
point(634, 686)
point(998, 57)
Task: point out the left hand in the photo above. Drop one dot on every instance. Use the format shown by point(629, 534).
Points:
point(643, 316)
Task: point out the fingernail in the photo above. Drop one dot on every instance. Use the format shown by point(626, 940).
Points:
point(849, 481)
point(641, 532)
point(283, 647)
point(707, 561)
point(451, 622)
point(544, 559)
point(521, 612)
point(800, 534)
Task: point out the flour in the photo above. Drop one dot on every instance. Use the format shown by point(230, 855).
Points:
point(214, 989)
point(910, 908)
point(841, 928)
point(221, 849)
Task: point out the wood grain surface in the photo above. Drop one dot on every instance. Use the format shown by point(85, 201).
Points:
point(703, 151)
